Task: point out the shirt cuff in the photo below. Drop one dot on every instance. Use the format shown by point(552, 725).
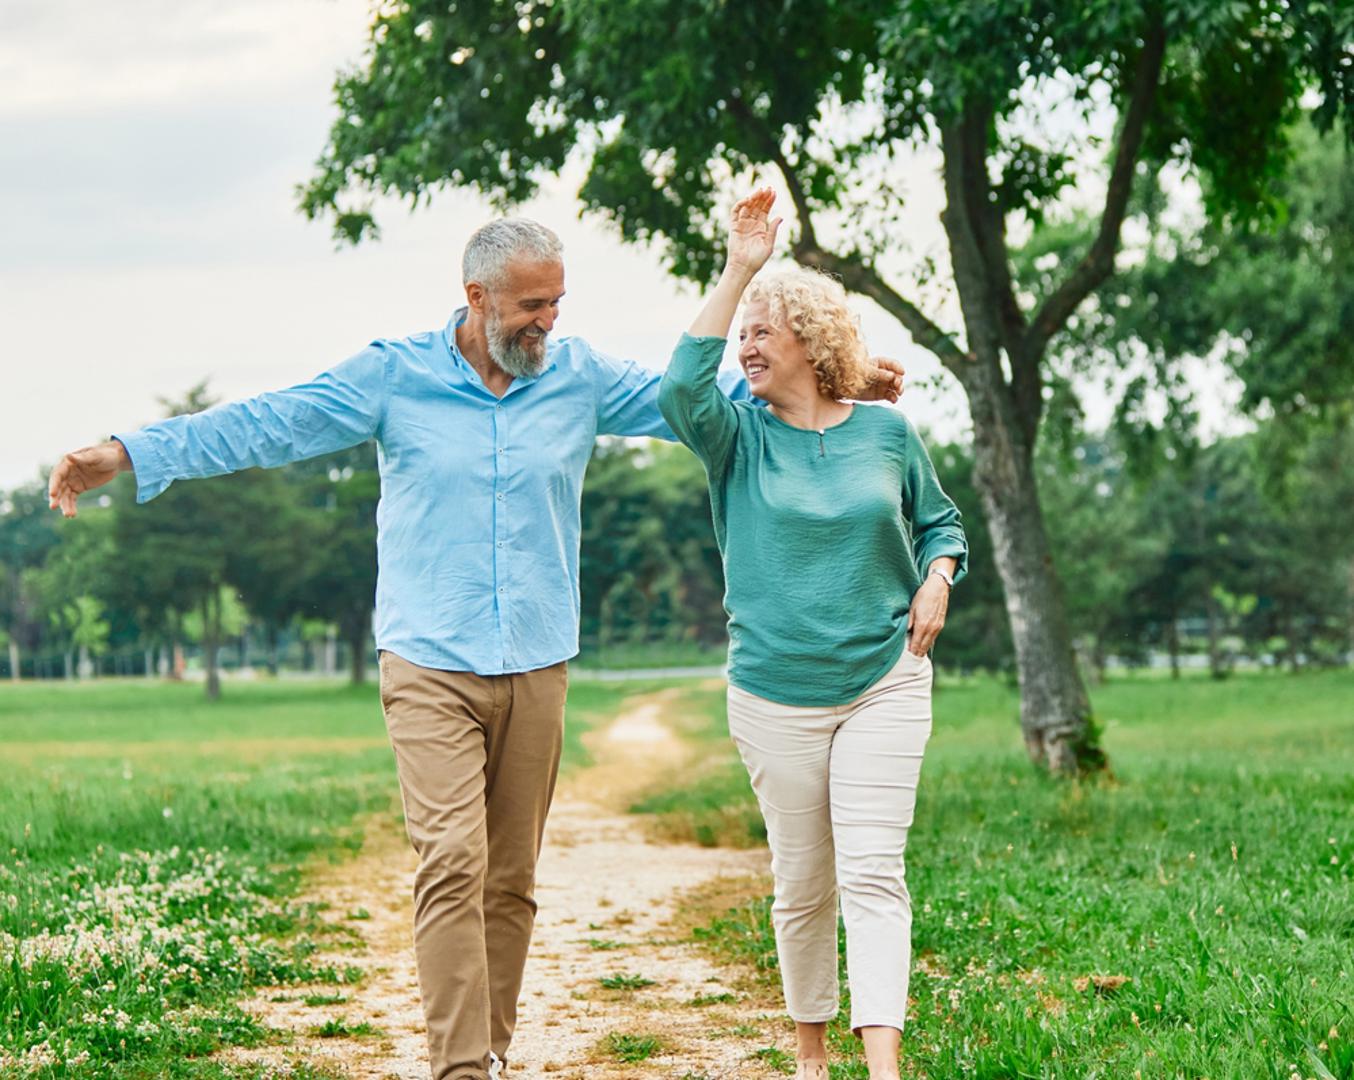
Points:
point(148, 465)
point(954, 550)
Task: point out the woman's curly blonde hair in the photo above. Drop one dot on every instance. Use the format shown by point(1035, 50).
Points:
point(812, 306)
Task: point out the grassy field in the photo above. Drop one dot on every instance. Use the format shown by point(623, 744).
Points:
point(1191, 917)
point(152, 846)
point(151, 849)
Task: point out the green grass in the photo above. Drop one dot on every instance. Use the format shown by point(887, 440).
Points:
point(315, 1000)
point(702, 1000)
point(127, 933)
point(1214, 872)
point(775, 1057)
point(339, 1028)
point(632, 1048)
point(150, 853)
point(625, 981)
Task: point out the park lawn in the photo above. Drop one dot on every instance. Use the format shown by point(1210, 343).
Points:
point(152, 847)
point(1192, 917)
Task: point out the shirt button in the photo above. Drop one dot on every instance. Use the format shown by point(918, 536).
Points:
point(500, 449)
point(498, 408)
point(501, 589)
point(500, 496)
point(500, 543)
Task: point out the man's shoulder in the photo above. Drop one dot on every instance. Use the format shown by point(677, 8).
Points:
point(571, 351)
point(422, 353)
point(419, 344)
point(578, 358)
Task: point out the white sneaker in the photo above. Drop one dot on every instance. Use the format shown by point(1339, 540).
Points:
point(495, 1066)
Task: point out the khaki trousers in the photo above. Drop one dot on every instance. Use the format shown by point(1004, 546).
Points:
point(837, 786)
point(477, 758)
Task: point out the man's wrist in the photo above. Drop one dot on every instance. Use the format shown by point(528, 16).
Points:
point(124, 458)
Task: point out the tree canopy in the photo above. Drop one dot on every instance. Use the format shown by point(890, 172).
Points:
point(1038, 110)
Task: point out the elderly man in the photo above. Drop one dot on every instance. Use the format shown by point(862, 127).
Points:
point(484, 430)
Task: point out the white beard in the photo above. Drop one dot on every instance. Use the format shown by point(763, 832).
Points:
point(521, 356)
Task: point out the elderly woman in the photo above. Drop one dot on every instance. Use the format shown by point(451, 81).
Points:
point(840, 549)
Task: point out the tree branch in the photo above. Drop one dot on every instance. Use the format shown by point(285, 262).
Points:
point(1097, 264)
point(971, 277)
point(989, 225)
point(859, 277)
point(757, 131)
point(855, 274)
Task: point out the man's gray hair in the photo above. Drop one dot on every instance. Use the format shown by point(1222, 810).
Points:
point(495, 245)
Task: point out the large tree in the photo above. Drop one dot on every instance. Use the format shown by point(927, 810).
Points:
point(671, 105)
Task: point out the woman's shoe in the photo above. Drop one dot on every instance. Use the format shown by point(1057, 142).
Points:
point(811, 1070)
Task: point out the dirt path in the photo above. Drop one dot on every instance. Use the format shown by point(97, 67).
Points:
point(608, 899)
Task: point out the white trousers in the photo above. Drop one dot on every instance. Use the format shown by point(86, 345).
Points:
point(837, 786)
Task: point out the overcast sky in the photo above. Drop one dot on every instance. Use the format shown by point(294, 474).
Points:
point(149, 152)
point(149, 239)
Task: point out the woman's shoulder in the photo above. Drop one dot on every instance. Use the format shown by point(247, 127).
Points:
point(891, 430)
point(886, 421)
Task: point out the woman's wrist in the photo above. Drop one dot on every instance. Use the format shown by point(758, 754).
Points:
point(738, 275)
point(943, 574)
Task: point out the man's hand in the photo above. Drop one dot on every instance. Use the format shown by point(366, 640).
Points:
point(888, 381)
point(927, 616)
point(84, 470)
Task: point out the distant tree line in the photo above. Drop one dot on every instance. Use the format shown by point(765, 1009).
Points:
point(1242, 549)
point(1211, 553)
point(261, 558)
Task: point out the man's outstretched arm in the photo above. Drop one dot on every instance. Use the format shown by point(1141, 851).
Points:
point(339, 408)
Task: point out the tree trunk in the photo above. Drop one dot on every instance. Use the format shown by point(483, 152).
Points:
point(1055, 710)
point(1350, 658)
point(359, 630)
point(273, 635)
point(14, 660)
point(1173, 645)
point(330, 651)
point(211, 643)
point(68, 664)
point(1215, 666)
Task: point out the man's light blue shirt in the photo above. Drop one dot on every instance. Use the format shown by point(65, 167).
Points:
point(478, 523)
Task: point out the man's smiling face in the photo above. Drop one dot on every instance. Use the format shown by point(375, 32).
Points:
point(520, 313)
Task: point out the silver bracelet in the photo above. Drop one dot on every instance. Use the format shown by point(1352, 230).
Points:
point(941, 573)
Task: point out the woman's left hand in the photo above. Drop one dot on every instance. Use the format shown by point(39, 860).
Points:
point(927, 615)
point(888, 381)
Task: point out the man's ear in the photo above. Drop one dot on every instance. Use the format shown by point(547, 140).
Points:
point(477, 296)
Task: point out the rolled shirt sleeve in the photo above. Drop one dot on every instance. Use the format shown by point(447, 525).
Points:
point(337, 409)
point(936, 522)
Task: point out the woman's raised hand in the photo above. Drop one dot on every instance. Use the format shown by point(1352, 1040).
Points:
point(752, 233)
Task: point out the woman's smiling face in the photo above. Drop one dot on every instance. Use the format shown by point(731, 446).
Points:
point(771, 356)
